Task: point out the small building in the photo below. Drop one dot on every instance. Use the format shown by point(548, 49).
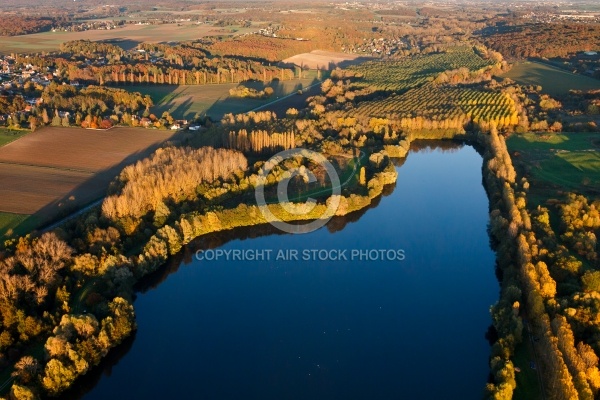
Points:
point(591, 53)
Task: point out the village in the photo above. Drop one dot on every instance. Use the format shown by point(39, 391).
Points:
point(21, 85)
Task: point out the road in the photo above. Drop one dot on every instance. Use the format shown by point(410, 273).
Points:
point(71, 216)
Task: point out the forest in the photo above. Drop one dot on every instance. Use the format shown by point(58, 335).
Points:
point(544, 40)
point(17, 25)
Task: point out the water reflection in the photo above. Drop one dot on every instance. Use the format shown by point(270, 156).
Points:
point(375, 327)
point(218, 239)
point(430, 146)
point(86, 383)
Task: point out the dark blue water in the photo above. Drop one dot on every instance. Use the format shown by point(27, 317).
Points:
point(411, 329)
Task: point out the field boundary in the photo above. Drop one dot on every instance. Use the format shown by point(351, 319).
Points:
point(56, 168)
point(55, 172)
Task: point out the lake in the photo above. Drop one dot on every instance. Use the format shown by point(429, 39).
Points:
point(333, 329)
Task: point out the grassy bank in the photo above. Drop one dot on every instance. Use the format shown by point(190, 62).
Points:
point(16, 224)
point(10, 135)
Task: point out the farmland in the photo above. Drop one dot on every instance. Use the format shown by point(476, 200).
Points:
point(405, 74)
point(127, 37)
point(324, 60)
point(53, 171)
point(423, 95)
point(558, 162)
point(553, 81)
point(185, 101)
point(445, 102)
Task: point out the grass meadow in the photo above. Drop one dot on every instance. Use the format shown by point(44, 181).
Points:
point(558, 162)
point(554, 81)
point(9, 135)
point(185, 101)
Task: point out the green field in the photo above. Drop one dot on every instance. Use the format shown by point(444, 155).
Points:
point(9, 135)
point(186, 101)
point(553, 81)
point(15, 223)
point(558, 162)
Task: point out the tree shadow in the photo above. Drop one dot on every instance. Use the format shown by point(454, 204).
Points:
point(180, 110)
point(323, 65)
point(89, 191)
point(278, 102)
point(218, 239)
point(433, 145)
point(125, 44)
point(297, 101)
point(86, 383)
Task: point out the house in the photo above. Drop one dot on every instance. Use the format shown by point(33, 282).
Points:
point(174, 127)
point(591, 53)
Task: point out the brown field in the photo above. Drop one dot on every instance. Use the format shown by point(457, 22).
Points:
point(26, 189)
point(324, 60)
point(80, 149)
point(128, 36)
point(54, 171)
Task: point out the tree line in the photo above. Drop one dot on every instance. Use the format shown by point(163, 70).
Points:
point(259, 141)
point(170, 174)
point(13, 25)
point(542, 282)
